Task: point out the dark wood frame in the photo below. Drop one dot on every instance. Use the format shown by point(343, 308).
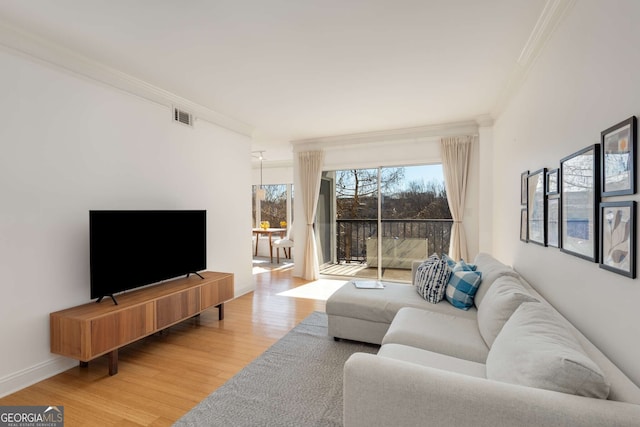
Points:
point(551, 173)
point(524, 225)
point(631, 237)
point(632, 146)
point(565, 209)
point(523, 188)
point(539, 174)
point(550, 227)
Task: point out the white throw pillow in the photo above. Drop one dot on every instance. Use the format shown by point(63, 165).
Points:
point(501, 300)
point(536, 349)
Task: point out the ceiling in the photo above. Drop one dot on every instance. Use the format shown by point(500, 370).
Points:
point(302, 69)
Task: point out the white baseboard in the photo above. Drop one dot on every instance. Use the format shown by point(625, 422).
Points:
point(26, 377)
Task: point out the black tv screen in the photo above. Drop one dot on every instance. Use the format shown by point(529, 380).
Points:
point(129, 249)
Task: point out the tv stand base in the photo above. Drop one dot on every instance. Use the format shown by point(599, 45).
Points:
point(91, 330)
point(113, 362)
point(111, 296)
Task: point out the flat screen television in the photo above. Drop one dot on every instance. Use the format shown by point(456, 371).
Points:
point(134, 248)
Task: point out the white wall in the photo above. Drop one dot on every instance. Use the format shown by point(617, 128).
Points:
point(70, 145)
point(416, 151)
point(585, 81)
point(273, 174)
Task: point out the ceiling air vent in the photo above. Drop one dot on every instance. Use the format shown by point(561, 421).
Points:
point(182, 116)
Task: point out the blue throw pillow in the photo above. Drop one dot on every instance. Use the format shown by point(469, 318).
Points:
point(463, 266)
point(432, 277)
point(451, 263)
point(462, 287)
point(458, 266)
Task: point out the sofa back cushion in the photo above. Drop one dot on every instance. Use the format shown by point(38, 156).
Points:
point(491, 269)
point(535, 349)
point(501, 300)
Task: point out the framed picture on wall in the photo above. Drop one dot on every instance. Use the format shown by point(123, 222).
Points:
point(618, 237)
point(579, 199)
point(553, 222)
point(619, 159)
point(552, 182)
point(537, 206)
point(523, 187)
point(524, 225)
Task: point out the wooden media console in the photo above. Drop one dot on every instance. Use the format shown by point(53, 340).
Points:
point(91, 330)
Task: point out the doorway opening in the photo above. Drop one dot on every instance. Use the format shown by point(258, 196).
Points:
point(374, 223)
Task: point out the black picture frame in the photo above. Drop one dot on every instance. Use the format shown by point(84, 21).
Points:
point(524, 225)
point(553, 182)
point(537, 207)
point(618, 169)
point(579, 203)
point(523, 187)
point(553, 222)
point(618, 237)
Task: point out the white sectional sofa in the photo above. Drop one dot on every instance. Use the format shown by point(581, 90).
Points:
point(510, 360)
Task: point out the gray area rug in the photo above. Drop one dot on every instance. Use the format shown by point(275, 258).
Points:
point(296, 382)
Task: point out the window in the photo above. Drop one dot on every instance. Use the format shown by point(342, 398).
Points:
point(276, 207)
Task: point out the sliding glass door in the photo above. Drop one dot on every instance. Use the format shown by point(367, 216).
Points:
point(385, 218)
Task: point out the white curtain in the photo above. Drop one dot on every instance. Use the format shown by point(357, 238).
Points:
point(310, 166)
point(456, 152)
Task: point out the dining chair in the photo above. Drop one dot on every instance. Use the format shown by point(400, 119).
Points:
point(284, 243)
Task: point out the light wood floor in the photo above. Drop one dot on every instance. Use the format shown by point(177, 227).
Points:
point(163, 376)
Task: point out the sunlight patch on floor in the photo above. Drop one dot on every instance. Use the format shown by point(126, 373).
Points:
point(263, 265)
point(319, 290)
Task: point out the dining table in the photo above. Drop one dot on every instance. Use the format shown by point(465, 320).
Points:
point(280, 232)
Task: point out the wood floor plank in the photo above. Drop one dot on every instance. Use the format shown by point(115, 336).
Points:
point(163, 376)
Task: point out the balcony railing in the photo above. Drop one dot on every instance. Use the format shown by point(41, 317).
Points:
point(354, 233)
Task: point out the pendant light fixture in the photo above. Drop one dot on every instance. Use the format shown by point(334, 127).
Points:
point(261, 193)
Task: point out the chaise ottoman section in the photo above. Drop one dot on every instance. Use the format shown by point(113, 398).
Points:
point(365, 314)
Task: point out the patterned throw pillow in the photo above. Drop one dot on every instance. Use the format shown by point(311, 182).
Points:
point(431, 279)
point(458, 266)
point(463, 266)
point(451, 263)
point(462, 287)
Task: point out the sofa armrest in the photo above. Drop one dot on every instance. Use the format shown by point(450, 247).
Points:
point(385, 391)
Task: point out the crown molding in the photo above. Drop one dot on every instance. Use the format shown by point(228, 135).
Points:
point(485, 120)
point(421, 133)
point(26, 44)
point(553, 13)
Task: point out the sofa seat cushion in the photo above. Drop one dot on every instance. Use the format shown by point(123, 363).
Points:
point(444, 333)
point(433, 360)
point(501, 300)
point(536, 349)
point(381, 305)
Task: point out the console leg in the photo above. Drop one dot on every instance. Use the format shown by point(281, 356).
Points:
point(113, 362)
point(220, 308)
point(84, 364)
